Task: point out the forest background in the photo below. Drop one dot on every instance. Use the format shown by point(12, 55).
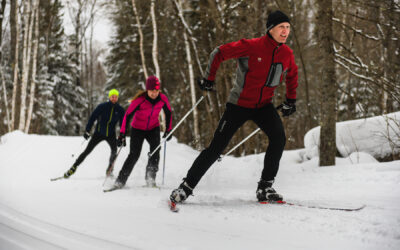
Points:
point(347, 52)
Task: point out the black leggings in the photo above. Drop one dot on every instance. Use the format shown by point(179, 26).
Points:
point(96, 139)
point(137, 138)
point(267, 118)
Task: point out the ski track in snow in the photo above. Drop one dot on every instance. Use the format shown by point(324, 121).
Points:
point(223, 213)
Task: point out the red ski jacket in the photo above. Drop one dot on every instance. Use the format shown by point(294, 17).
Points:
point(262, 64)
point(145, 113)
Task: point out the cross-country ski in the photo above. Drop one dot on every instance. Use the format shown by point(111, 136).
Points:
point(315, 206)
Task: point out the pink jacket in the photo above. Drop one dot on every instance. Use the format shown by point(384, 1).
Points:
point(145, 111)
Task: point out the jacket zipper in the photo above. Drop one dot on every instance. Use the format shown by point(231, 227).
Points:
point(272, 62)
point(151, 114)
point(108, 123)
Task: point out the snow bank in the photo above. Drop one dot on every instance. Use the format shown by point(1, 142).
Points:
point(377, 136)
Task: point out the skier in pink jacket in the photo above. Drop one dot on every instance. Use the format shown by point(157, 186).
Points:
point(144, 111)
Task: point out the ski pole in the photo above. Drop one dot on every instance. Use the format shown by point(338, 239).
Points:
point(80, 148)
point(177, 125)
point(240, 143)
point(73, 155)
point(112, 165)
point(163, 171)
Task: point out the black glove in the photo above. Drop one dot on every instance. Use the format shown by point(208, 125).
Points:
point(86, 135)
point(205, 84)
point(288, 107)
point(166, 133)
point(121, 141)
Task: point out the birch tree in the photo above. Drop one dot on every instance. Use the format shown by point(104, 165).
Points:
point(34, 63)
point(26, 54)
point(155, 40)
point(178, 4)
point(3, 81)
point(135, 11)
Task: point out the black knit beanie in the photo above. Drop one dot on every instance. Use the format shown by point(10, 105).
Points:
point(276, 18)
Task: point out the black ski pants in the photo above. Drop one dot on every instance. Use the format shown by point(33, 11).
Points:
point(137, 138)
point(269, 121)
point(96, 139)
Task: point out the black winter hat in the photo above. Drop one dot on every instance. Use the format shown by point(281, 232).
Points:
point(276, 18)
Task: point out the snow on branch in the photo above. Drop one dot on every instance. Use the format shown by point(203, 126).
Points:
point(360, 32)
point(353, 72)
point(357, 58)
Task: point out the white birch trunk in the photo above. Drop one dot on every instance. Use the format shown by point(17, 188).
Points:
point(16, 66)
point(140, 39)
point(191, 75)
point(34, 61)
point(190, 33)
point(154, 53)
point(155, 40)
point(5, 98)
point(192, 91)
point(25, 63)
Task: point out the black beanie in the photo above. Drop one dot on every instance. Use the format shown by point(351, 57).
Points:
point(276, 18)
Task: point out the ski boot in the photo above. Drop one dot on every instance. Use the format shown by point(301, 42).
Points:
point(151, 173)
point(118, 184)
point(70, 172)
point(265, 192)
point(151, 183)
point(181, 193)
point(109, 171)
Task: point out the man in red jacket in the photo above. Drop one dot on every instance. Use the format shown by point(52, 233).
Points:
point(262, 64)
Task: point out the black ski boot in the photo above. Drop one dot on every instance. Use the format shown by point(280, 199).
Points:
point(181, 193)
point(70, 172)
point(265, 192)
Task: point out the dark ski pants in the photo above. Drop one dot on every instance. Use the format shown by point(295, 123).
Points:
point(267, 118)
point(137, 138)
point(96, 139)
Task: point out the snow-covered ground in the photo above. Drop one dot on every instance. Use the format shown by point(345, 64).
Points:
point(36, 213)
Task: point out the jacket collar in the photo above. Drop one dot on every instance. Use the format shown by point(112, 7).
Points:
point(153, 101)
point(112, 104)
point(271, 41)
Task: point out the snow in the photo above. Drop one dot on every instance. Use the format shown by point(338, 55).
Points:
point(36, 213)
point(368, 135)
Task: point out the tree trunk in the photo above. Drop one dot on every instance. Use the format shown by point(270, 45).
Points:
point(155, 40)
point(191, 75)
point(26, 54)
point(15, 45)
point(140, 39)
point(192, 91)
point(34, 63)
point(2, 9)
point(328, 85)
point(91, 81)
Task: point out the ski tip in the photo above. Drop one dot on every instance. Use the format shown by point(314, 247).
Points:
point(111, 189)
point(172, 206)
point(58, 178)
